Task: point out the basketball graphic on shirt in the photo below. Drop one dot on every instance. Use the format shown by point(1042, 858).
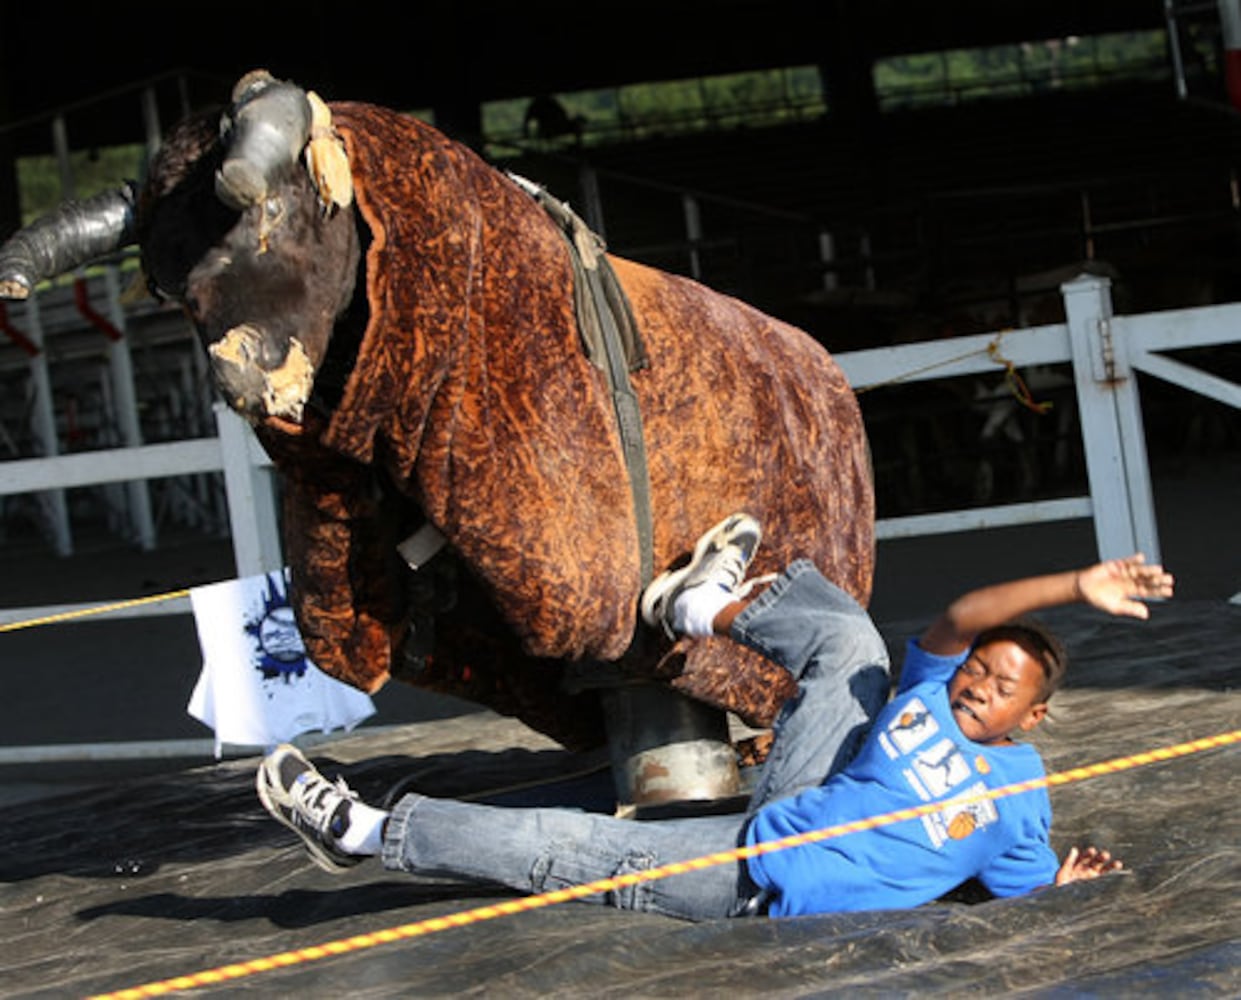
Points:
point(961, 817)
point(962, 825)
point(909, 728)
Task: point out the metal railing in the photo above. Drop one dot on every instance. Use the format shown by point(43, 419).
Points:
point(1105, 352)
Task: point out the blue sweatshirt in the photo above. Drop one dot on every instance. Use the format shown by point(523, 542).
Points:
point(915, 754)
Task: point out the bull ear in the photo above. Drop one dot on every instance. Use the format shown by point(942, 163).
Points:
point(74, 234)
point(326, 158)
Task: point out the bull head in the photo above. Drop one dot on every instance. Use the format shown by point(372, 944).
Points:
point(229, 225)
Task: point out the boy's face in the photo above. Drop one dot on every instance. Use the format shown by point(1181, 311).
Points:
point(996, 691)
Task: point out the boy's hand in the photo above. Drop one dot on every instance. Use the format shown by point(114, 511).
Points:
point(1086, 864)
point(1115, 586)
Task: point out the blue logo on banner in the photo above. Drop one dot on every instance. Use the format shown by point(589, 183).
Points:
point(278, 642)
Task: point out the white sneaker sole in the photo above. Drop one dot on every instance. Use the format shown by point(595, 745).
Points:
point(669, 580)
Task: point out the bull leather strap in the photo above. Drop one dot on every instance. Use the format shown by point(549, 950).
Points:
point(601, 323)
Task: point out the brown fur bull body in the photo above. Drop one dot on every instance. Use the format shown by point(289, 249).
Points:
point(472, 392)
point(435, 315)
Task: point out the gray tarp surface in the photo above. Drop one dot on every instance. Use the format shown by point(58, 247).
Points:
point(162, 876)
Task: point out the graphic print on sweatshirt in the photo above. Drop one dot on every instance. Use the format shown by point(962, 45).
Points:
point(934, 766)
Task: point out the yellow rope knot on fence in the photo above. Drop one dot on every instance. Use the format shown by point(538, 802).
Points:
point(1015, 382)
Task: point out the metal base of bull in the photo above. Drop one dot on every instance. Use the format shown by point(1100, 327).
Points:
point(670, 755)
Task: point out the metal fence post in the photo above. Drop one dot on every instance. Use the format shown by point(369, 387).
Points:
point(592, 200)
point(248, 481)
point(121, 369)
point(693, 233)
point(53, 503)
point(1112, 432)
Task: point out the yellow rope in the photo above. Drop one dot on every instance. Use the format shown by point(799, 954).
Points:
point(905, 376)
point(421, 928)
point(64, 616)
point(1015, 382)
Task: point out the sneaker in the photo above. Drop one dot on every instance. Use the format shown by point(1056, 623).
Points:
point(721, 556)
point(306, 802)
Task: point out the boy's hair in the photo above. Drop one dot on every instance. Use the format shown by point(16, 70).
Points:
point(1037, 640)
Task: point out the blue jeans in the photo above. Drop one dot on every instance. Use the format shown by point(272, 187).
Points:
point(802, 622)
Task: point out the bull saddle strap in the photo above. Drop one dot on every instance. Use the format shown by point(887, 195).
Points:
point(612, 342)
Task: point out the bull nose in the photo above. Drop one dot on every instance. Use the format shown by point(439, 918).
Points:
point(271, 353)
point(241, 385)
point(239, 361)
point(260, 374)
point(248, 346)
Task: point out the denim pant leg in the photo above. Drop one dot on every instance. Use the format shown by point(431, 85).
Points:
point(540, 850)
point(828, 642)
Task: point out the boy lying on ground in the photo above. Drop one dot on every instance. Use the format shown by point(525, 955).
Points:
point(841, 752)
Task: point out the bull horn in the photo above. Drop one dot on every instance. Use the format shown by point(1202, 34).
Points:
point(72, 235)
point(264, 133)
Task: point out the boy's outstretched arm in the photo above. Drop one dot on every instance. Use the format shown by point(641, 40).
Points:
point(1116, 586)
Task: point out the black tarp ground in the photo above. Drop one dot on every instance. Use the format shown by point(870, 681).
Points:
point(162, 876)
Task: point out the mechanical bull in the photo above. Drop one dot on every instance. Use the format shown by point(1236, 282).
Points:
point(413, 336)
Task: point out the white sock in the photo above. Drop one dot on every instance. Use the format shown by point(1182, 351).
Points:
point(694, 610)
point(364, 834)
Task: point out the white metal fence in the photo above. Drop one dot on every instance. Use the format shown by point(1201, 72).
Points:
point(235, 452)
point(1104, 351)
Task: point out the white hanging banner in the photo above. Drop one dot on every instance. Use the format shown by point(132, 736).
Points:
point(257, 686)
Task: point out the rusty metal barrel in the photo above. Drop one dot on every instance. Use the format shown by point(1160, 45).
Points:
point(669, 752)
